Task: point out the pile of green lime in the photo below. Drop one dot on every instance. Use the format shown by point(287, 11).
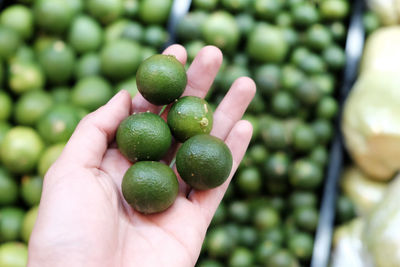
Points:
point(203, 161)
point(60, 60)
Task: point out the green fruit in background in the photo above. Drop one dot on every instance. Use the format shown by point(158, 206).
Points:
point(57, 61)
point(265, 250)
point(318, 37)
point(219, 242)
point(204, 162)
point(190, 116)
point(76, 6)
point(245, 22)
point(306, 218)
point(236, 5)
point(115, 30)
point(267, 9)
point(53, 16)
point(25, 77)
point(154, 11)
point(150, 186)
point(268, 79)
point(193, 48)
point(155, 36)
point(60, 94)
point(31, 189)
point(24, 53)
point(334, 57)
point(91, 93)
point(21, 149)
point(43, 42)
point(49, 156)
point(161, 79)
point(282, 258)
point(9, 42)
point(334, 9)
point(305, 14)
point(131, 8)
point(143, 136)
point(128, 85)
point(189, 27)
point(19, 18)
point(205, 4)
point(5, 106)
point(304, 138)
point(267, 44)
point(31, 106)
point(13, 254)
point(85, 34)
point(220, 29)
point(120, 59)
point(88, 65)
point(105, 11)
point(4, 128)
point(28, 223)
point(305, 174)
point(249, 181)
point(209, 263)
point(265, 218)
point(58, 124)
point(133, 31)
point(230, 74)
point(10, 223)
point(241, 257)
point(8, 188)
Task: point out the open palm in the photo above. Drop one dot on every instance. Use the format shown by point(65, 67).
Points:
point(83, 219)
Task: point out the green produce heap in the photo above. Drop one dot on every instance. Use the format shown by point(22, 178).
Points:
point(294, 50)
point(59, 60)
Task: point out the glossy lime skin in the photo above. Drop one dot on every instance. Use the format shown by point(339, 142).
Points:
point(150, 186)
point(204, 162)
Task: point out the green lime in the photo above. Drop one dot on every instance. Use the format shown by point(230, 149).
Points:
point(305, 14)
point(266, 218)
point(9, 42)
point(327, 108)
point(120, 59)
point(256, 125)
point(266, 43)
point(189, 27)
point(114, 30)
point(105, 11)
point(306, 218)
point(13, 254)
point(143, 136)
point(209, 263)
point(31, 189)
point(334, 9)
point(282, 258)
point(190, 116)
point(150, 186)
point(58, 123)
point(323, 130)
point(318, 37)
point(76, 6)
point(91, 93)
point(249, 181)
point(236, 5)
point(57, 61)
point(19, 18)
point(371, 22)
point(268, 79)
point(85, 34)
point(204, 162)
point(154, 11)
point(25, 76)
point(208, 5)
point(291, 36)
point(48, 157)
point(128, 85)
point(312, 64)
point(131, 8)
point(282, 104)
point(319, 155)
point(305, 174)
point(267, 9)
point(155, 36)
point(274, 136)
point(31, 106)
point(308, 93)
point(345, 210)
point(230, 74)
point(245, 22)
point(219, 215)
point(274, 234)
point(60, 94)
point(10, 223)
point(241, 257)
point(147, 52)
point(87, 65)
point(291, 77)
point(28, 223)
point(24, 53)
point(284, 19)
point(299, 199)
point(5, 106)
point(248, 236)
point(265, 250)
point(338, 31)
point(4, 128)
point(277, 167)
point(161, 79)
point(301, 245)
point(8, 188)
point(334, 57)
point(219, 242)
point(304, 138)
point(43, 42)
point(239, 211)
point(133, 31)
point(258, 154)
point(220, 29)
point(21, 149)
point(53, 16)
point(325, 83)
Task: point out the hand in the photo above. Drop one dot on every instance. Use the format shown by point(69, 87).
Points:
point(83, 219)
